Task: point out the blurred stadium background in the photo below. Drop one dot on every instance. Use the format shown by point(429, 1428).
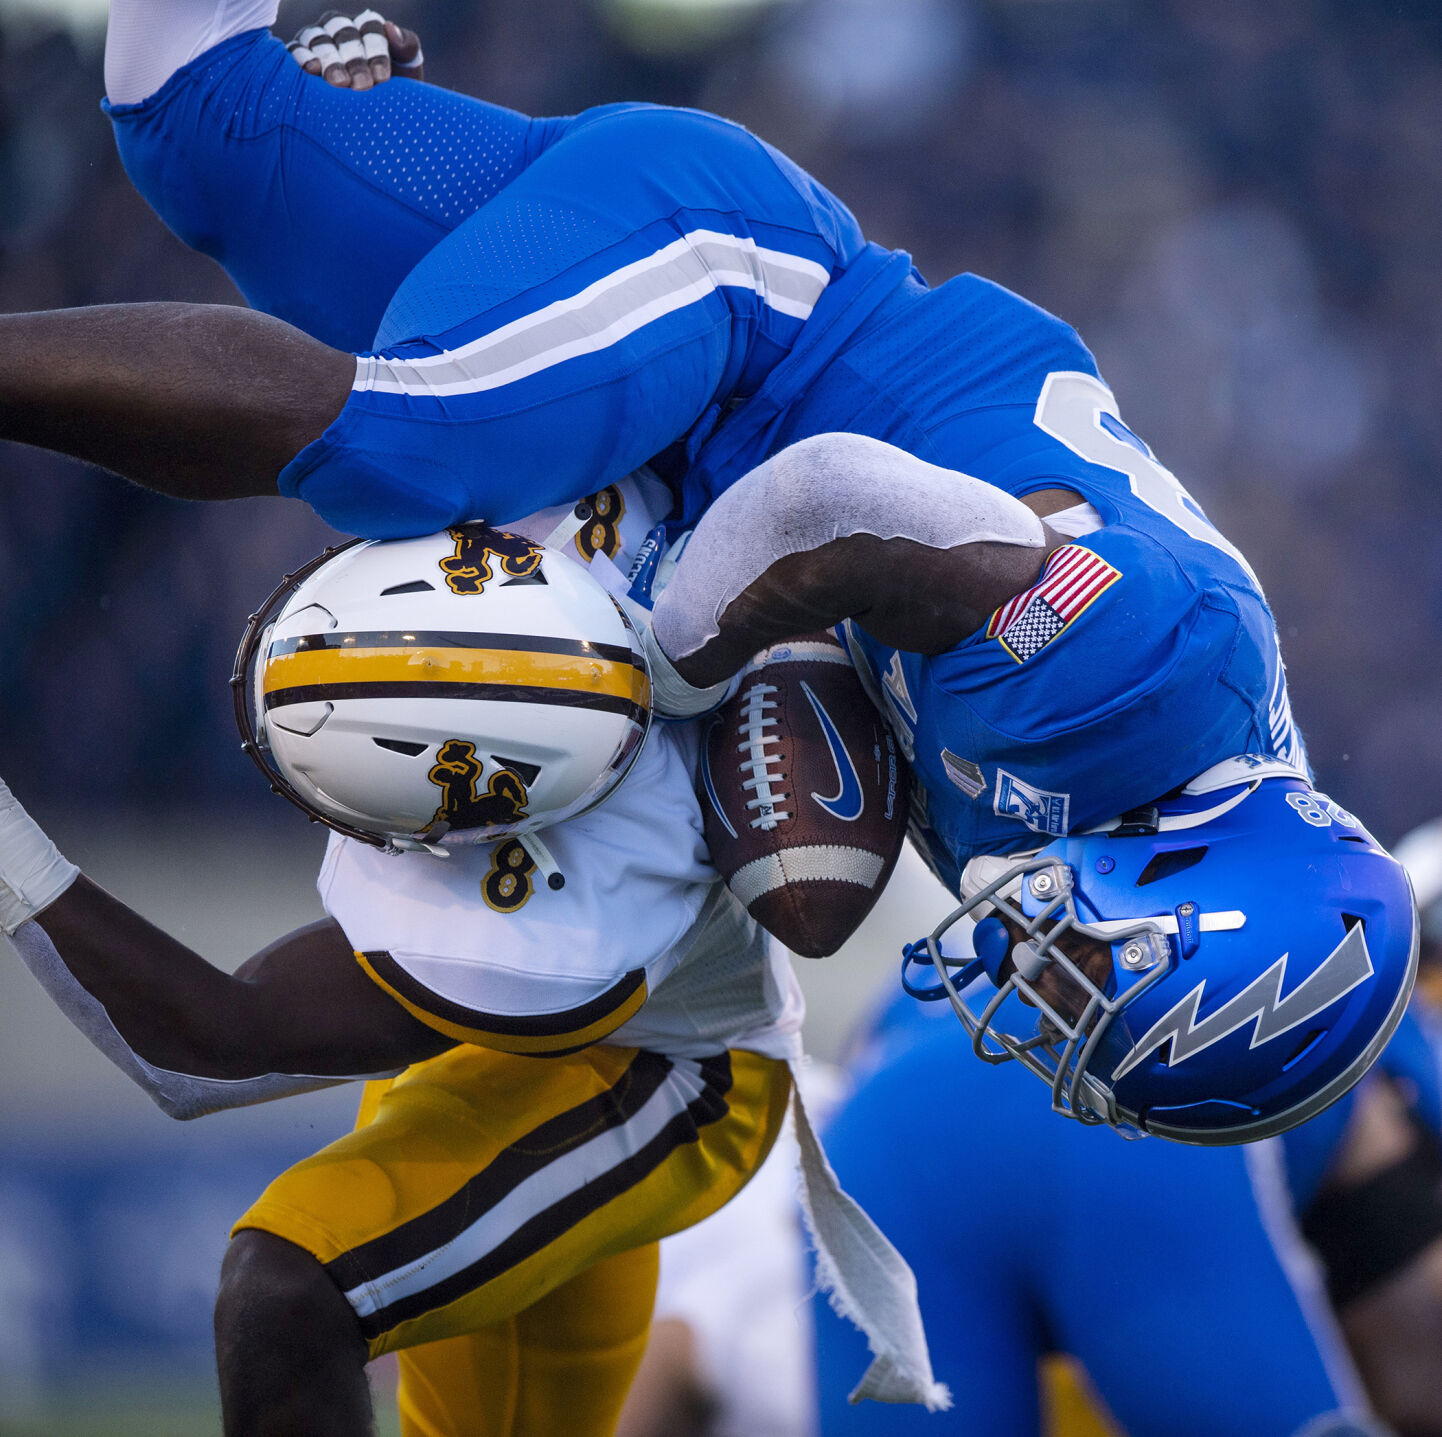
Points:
point(1236, 203)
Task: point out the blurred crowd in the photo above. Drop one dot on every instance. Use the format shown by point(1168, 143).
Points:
point(1238, 205)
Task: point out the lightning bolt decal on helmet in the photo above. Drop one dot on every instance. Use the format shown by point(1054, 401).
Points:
point(1261, 949)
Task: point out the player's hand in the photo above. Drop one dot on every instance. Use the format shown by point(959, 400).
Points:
point(358, 53)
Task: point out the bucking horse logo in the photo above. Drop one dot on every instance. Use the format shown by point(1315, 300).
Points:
point(456, 773)
point(480, 550)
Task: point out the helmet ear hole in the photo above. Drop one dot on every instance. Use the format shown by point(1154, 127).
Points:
point(303, 719)
point(1305, 1047)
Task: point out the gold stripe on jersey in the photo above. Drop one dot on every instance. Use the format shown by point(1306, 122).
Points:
point(319, 668)
point(484, 1181)
point(535, 1035)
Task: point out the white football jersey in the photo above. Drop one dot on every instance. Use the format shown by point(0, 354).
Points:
point(644, 946)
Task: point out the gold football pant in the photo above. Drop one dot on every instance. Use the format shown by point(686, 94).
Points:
point(491, 1205)
point(563, 1365)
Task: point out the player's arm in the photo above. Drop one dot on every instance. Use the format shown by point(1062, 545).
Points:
point(299, 1015)
point(196, 400)
point(839, 527)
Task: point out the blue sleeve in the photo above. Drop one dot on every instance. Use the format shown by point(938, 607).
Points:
point(316, 201)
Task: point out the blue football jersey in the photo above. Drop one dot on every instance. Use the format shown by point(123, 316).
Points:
point(1144, 653)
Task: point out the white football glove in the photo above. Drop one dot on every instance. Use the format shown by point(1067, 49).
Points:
point(32, 872)
point(357, 53)
point(671, 696)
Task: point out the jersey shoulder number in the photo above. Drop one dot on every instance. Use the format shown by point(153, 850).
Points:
point(1079, 411)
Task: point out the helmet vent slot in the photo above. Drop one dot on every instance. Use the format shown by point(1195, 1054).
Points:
point(528, 773)
point(1164, 865)
point(400, 745)
point(1353, 920)
point(538, 577)
point(416, 586)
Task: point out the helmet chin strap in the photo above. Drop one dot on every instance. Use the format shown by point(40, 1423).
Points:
point(986, 869)
point(569, 527)
point(544, 860)
point(416, 845)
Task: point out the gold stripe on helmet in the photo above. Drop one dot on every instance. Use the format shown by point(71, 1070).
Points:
point(519, 669)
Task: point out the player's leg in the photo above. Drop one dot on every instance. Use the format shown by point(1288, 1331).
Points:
point(314, 1381)
point(581, 322)
point(486, 1182)
point(608, 302)
point(1213, 1288)
point(564, 1365)
point(318, 201)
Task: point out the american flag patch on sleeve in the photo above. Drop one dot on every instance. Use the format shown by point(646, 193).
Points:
point(1073, 579)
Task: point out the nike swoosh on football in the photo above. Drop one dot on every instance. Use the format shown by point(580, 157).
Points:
point(709, 784)
point(848, 800)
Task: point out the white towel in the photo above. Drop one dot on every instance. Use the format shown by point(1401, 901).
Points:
point(867, 1280)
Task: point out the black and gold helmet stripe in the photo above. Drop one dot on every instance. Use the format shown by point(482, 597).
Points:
point(447, 639)
point(492, 693)
point(497, 667)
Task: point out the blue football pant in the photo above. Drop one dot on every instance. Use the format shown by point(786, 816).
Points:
point(1173, 1274)
point(551, 302)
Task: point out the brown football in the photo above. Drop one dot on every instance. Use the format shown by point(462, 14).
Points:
point(803, 794)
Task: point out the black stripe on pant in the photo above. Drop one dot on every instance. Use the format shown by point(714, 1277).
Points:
point(519, 1161)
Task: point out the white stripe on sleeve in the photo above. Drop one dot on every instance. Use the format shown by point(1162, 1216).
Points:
point(681, 273)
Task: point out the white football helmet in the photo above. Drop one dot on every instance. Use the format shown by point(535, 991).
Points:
point(457, 688)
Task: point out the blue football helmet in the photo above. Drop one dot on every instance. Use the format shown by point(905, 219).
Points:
point(1262, 950)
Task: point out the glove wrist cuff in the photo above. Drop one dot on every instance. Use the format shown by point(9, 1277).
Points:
point(671, 695)
point(33, 873)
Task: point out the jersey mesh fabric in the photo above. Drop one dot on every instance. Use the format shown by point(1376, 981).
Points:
point(733, 987)
point(445, 159)
point(522, 243)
